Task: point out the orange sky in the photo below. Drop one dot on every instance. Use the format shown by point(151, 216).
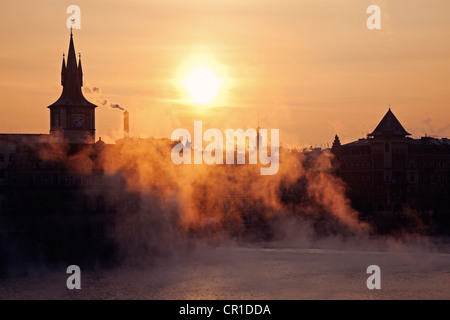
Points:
point(310, 68)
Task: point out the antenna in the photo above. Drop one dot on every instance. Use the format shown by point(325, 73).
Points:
point(258, 119)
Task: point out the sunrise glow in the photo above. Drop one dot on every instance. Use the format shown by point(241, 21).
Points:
point(203, 85)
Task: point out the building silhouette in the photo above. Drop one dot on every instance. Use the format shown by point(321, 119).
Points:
point(72, 115)
point(56, 202)
point(390, 175)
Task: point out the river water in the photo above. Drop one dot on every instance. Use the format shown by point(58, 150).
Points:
point(252, 273)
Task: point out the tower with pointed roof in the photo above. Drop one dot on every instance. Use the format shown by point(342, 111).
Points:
point(392, 179)
point(389, 145)
point(389, 126)
point(72, 115)
point(376, 167)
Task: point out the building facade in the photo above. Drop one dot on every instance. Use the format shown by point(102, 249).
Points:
point(389, 174)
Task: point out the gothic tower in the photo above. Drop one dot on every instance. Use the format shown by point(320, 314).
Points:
point(72, 115)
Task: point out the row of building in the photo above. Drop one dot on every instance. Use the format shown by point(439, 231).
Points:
point(47, 188)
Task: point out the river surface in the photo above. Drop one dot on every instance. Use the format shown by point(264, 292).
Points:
point(252, 273)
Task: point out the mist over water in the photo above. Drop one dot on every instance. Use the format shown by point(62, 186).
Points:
point(233, 272)
point(226, 232)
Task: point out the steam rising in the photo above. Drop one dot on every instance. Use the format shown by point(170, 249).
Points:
point(96, 91)
point(300, 215)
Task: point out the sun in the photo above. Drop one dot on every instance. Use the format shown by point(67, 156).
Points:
point(203, 85)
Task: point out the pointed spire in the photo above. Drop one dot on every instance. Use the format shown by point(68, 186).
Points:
point(336, 142)
point(389, 125)
point(71, 58)
point(72, 80)
point(80, 70)
point(63, 70)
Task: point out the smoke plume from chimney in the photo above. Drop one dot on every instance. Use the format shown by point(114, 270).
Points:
point(126, 124)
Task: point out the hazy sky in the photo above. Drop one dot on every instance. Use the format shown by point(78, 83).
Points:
point(309, 67)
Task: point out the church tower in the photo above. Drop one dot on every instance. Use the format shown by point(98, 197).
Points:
point(72, 115)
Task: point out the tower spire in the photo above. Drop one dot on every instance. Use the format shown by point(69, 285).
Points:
point(63, 70)
point(80, 70)
point(72, 114)
point(71, 57)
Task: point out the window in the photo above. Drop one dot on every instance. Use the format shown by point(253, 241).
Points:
point(100, 204)
point(88, 231)
point(87, 203)
point(69, 205)
point(99, 180)
point(2, 173)
point(386, 147)
point(46, 181)
point(48, 205)
point(68, 181)
point(37, 179)
point(100, 232)
point(131, 203)
point(88, 180)
point(2, 157)
point(71, 231)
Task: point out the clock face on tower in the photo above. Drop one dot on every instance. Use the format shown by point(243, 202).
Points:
point(78, 120)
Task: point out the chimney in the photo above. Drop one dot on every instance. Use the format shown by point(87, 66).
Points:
point(126, 124)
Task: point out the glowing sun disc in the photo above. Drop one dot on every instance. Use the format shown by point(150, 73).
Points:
point(203, 85)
